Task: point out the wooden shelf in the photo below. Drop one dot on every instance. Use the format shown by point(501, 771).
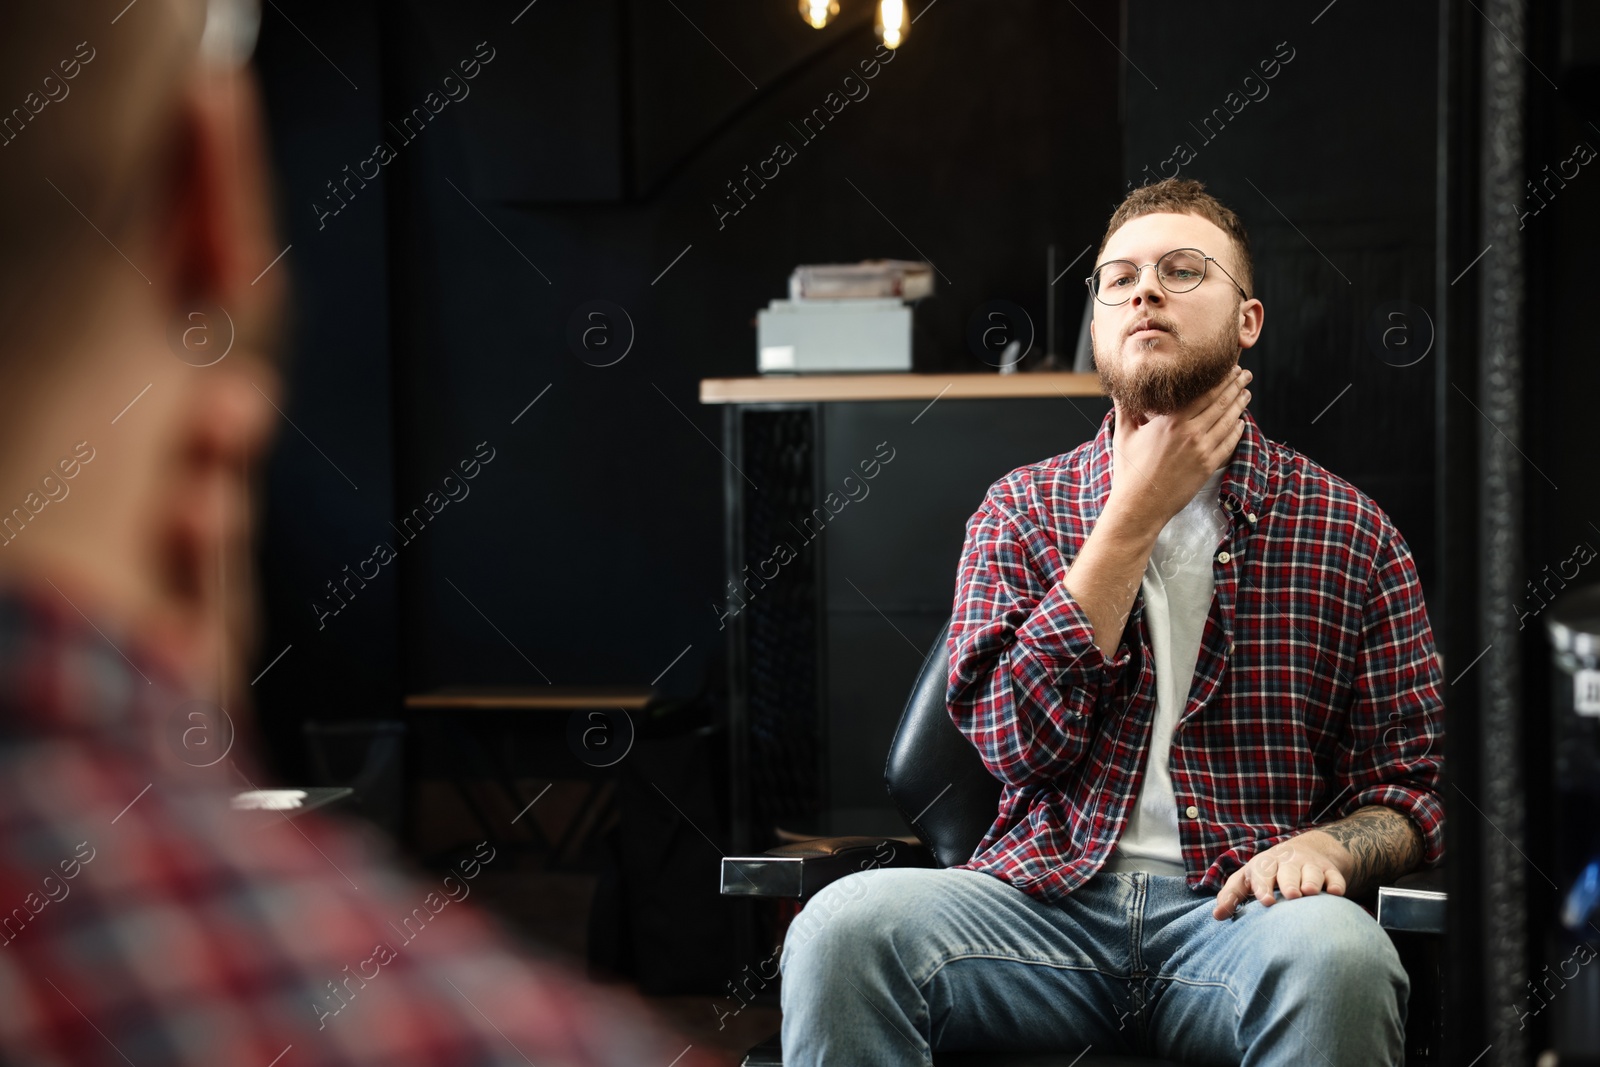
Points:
point(545, 697)
point(835, 387)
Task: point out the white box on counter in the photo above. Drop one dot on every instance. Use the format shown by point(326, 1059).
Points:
point(828, 336)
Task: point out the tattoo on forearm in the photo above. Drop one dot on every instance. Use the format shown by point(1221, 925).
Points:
point(1383, 843)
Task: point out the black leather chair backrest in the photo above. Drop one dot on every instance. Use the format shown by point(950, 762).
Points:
point(934, 775)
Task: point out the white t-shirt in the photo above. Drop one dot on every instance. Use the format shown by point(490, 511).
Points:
point(1178, 587)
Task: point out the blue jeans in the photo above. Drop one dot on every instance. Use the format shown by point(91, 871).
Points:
point(887, 965)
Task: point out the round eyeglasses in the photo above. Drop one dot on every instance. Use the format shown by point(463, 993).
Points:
point(1178, 271)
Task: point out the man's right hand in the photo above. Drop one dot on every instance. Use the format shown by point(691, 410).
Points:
point(1160, 464)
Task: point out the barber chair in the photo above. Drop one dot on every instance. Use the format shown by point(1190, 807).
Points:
point(934, 770)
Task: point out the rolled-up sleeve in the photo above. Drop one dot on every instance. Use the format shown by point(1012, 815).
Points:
point(1393, 752)
point(1025, 674)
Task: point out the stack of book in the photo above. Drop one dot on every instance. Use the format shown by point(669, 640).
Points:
point(842, 317)
point(867, 280)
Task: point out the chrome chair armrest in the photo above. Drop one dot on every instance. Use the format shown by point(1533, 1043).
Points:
point(1414, 902)
point(800, 870)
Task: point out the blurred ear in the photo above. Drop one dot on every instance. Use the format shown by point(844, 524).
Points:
point(222, 233)
point(219, 241)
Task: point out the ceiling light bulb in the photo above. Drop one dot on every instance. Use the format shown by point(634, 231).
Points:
point(893, 22)
point(818, 13)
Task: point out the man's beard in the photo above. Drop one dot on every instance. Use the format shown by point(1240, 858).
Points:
point(1172, 379)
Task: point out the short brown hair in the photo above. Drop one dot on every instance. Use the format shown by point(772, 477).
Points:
point(1189, 197)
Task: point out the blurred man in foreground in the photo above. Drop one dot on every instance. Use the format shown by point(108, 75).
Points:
point(141, 920)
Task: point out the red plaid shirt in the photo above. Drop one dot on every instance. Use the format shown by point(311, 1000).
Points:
point(1316, 692)
point(143, 921)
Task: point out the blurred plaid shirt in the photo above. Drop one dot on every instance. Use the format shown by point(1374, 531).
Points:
point(1316, 692)
point(143, 921)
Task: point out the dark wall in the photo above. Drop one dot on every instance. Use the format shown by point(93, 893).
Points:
point(584, 162)
point(596, 545)
point(329, 484)
point(1330, 165)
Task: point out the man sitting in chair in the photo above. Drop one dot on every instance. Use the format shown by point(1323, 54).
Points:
point(1201, 667)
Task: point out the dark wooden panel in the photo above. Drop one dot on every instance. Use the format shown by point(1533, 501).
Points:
point(891, 556)
point(1341, 225)
point(899, 545)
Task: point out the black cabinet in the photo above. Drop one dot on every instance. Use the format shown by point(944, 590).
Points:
point(845, 522)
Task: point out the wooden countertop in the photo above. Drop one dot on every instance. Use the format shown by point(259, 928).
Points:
point(545, 697)
point(906, 386)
